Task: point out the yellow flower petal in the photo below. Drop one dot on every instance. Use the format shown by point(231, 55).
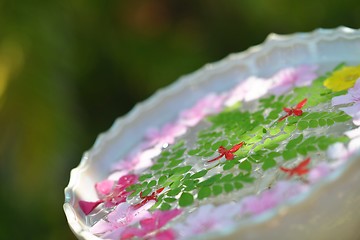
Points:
point(343, 78)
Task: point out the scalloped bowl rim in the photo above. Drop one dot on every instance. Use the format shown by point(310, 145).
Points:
point(273, 40)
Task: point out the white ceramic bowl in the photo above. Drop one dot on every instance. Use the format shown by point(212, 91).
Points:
point(328, 211)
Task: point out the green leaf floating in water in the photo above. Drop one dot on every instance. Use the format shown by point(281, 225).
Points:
point(204, 192)
point(199, 174)
point(245, 165)
point(186, 199)
point(268, 163)
point(217, 190)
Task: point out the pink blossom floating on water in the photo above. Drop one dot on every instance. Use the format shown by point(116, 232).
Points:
point(319, 171)
point(104, 188)
point(288, 78)
point(128, 163)
point(210, 104)
point(207, 218)
point(338, 152)
point(283, 81)
point(352, 97)
point(154, 223)
point(271, 198)
point(248, 90)
point(167, 234)
point(140, 157)
point(166, 135)
point(354, 144)
point(135, 162)
point(110, 197)
point(122, 216)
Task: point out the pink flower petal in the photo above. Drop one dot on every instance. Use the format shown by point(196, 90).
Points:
point(127, 180)
point(149, 224)
point(146, 158)
point(354, 145)
point(168, 234)
point(128, 163)
point(120, 213)
point(88, 207)
point(289, 78)
point(104, 187)
point(166, 134)
point(116, 234)
point(271, 198)
point(131, 232)
point(256, 205)
point(114, 176)
point(279, 90)
point(210, 104)
point(116, 196)
point(356, 119)
point(306, 74)
point(318, 172)
point(337, 151)
point(152, 133)
point(165, 216)
point(153, 223)
point(119, 197)
point(259, 88)
point(142, 212)
point(354, 133)
point(101, 226)
point(248, 90)
point(122, 216)
point(207, 218)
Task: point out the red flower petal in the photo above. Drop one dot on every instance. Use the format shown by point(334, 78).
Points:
point(217, 158)
point(297, 112)
point(229, 156)
point(299, 170)
point(87, 207)
point(159, 190)
point(113, 201)
point(301, 104)
point(236, 147)
point(288, 110)
point(127, 180)
point(222, 150)
point(304, 163)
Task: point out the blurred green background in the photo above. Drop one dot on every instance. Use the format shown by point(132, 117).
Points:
point(69, 68)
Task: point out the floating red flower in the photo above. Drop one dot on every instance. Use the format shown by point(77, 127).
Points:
point(294, 111)
point(299, 170)
point(229, 154)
